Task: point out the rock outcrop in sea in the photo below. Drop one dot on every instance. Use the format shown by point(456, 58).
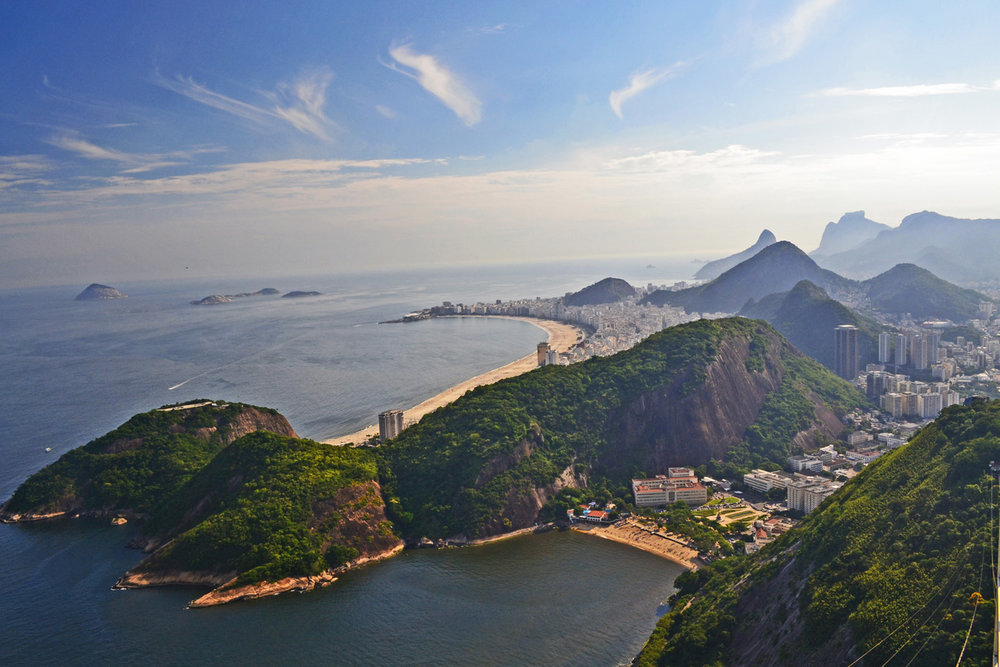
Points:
point(99, 292)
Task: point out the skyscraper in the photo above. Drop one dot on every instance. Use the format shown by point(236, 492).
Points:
point(845, 338)
point(884, 347)
point(900, 349)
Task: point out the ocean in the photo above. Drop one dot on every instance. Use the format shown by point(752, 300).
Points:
point(74, 370)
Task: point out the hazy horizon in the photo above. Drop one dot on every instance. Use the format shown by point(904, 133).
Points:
point(163, 140)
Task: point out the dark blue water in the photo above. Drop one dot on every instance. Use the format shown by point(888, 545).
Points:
point(70, 371)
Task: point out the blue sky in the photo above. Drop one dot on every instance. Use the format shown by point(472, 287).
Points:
point(137, 139)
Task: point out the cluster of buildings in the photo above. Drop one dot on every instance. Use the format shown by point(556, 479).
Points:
point(679, 484)
point(615, 326)
point(902, 397)
point(805, 493)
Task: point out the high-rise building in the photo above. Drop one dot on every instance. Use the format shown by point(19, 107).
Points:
point(543, 348)
point(884, 347)
point(900, 350)
point(845, 338)
point(390, 424)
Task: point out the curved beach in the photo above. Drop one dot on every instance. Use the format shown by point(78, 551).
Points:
point(561, 337)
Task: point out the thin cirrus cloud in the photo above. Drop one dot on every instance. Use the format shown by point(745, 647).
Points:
point(786, 38)
point(435, 77)
point(639, 82)
point(299, 103)
point(918, 90)
point(133, 163)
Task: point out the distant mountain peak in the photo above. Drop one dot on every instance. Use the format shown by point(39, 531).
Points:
point(717, 267)
point(853, 229)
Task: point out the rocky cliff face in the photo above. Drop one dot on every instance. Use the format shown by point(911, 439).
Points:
point(665, 427)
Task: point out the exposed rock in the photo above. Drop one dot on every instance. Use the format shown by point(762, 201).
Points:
point(98, 292)
point(298, 294)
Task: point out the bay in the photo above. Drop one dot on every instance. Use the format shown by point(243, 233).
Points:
point(71, 371)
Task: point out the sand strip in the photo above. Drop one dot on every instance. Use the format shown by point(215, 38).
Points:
point(561, 337)
point(662, 544)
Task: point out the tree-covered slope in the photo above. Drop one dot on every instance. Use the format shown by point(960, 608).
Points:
point(269, 507)
point(142, 461)
point(807, 316)
point(700, 391)
point(907, 288)
point(895, 568)
point(776, 268)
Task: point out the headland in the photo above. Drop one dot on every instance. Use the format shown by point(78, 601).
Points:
point(561, 337)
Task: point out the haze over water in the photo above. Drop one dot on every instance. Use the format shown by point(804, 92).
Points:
point(74, 370)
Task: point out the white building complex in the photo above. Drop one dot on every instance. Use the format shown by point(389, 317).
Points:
point(678, 484)
point(806, 495)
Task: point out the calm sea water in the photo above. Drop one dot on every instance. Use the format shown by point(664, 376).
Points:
point(74, 370)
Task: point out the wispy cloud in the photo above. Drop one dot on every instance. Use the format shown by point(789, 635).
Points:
point(918, 90)
point(439, 81)
point(133, 163)
point(300, 103)
point(21, 170)
point(786, 38)
point(639, 82)
point(385, 111)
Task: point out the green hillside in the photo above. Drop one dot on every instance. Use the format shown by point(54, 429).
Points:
point(807, 316)
point(907, 288)
point(142, 461)
point(725, 389)
point(886, 569)
point(268, 507)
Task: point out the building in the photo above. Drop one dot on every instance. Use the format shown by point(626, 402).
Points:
point(845, 338)
point(666, 490)
point(390, 424)
point(543, 349)
point(885, 347)
point(806, 495)
point(804, 463)
point(900, 357)
point(763, 481)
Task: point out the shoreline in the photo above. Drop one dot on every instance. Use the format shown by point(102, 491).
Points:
point(561, 337)
point(655, 543)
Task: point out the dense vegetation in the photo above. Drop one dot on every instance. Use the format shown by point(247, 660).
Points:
point(263, 506)
point(891, 566)
point(907, 288)
point(807, 316)
point(463, 468)
point(134, 466)
point(270, 506)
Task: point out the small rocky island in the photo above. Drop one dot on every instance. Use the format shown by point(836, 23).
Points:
point(216, 299)
point(98, 292)
point(297, 294)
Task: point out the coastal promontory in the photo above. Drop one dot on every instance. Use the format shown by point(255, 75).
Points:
point(98, 292)
point(227, 497)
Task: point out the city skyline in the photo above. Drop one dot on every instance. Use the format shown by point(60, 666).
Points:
point(169, 139)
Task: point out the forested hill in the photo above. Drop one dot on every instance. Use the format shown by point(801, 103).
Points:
point(807, 316)
point(609, 290)
point(731, 390)
point(895, 568)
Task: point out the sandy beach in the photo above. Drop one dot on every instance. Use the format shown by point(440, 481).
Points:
point(561, 337)
point(665, 545)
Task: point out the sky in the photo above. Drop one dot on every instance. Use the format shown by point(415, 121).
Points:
point(156, 140)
